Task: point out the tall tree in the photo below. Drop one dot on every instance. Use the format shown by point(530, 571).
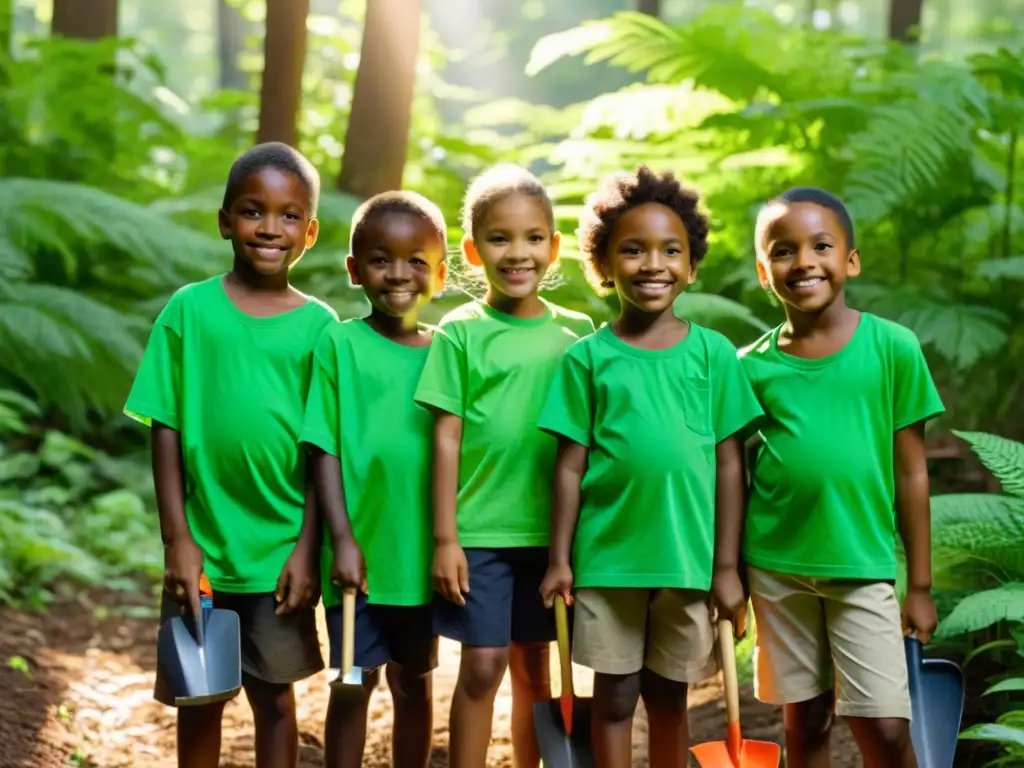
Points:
point(283, 60)
point(84, 19)
point(905, 20)
point(378, 126)
point(650, 7)
point(231, 31)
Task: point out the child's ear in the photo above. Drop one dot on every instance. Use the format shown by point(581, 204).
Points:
point(312, 233)
point(853, 263)
point(224, 224)
point(556, 246)
point(693, 275)
point(442, 278)
point(353, 272)
point(469, 249)
point(762, 274)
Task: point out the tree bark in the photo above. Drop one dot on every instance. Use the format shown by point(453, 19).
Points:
point(231, 29)
point(284, 58)
point(378, 126)
point(650, 7)
point(905, 20)
point(84, 19)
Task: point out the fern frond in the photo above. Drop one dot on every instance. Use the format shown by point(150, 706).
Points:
point(983, 609)
point(1002, 457)
point(985, 530)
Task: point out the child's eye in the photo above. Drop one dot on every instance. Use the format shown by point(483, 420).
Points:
point(822, 246)
point(418, 262)
point(672, 251)
point(378, 260)
point(294, 216)
point(537, 238)
point(250, 212)
point(781, 253)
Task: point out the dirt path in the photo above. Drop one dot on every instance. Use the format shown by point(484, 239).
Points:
point(80, 693)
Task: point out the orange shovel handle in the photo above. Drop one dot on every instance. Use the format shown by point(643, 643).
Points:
point(564, 661)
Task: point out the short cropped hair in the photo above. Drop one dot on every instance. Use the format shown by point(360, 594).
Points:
point(281, 157)
point(398, 202)
point(496, 184)
point(817, 196)
point(623, 191)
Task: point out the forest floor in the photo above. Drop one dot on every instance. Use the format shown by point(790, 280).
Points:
point(76, 690)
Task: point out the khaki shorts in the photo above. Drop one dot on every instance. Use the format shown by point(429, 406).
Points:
point(816, 635)
point(619, 631)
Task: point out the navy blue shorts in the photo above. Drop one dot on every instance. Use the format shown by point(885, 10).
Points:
point(503, 604)
point(399, 633)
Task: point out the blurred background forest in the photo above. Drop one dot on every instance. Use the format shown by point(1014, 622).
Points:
point(119, 119)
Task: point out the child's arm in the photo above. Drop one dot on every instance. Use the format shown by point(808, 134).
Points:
point(349, 568)
point(730, 505)
point(565, 513)
point(913, 509)
point(298, 584)
point(183, 560)
point(450, 570)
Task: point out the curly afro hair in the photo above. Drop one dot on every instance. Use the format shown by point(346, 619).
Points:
point(623, 191)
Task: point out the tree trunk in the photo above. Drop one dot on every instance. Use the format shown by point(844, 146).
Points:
point(284, 58)
point(231, 29)
point(905, 20)
point(84, 19)
point(378, 124)
point(650, 7)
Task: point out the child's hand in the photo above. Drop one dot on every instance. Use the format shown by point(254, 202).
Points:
point(919, 615)
point(450, 572)
point(298, 582)
point(557, 581)
point(183, 565)
point(729, 599)
point(348, 570)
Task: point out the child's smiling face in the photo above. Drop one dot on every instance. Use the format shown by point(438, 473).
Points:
point(804, 255)
point(399, 262)
point(514, 244)
point(648, 258)
point(269, 223)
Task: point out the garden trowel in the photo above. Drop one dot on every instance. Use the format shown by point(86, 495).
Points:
point(936, 706)
point(201, 655)
point(350, 677)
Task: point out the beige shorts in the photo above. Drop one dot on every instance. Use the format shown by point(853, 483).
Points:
point(818, 635)
point(619, 631)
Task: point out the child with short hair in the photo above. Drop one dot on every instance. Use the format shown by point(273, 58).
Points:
point(223, 384)
point(370, 449)
point(485, 380)
point(847, 395)
point(650, 413)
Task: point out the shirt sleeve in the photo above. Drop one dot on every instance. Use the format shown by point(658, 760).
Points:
point(568, 409)
point(156, 392)
point(737, 410)
point(442, 384)
point(321, 424)
point(915, 397)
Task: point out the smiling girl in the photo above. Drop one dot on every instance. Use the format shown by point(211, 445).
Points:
point(650, 413)
point(485, 379)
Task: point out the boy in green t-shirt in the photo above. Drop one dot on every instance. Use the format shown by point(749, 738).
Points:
point(484, 381)
point(847, 395)
point(222, 384)
point(649, 490)
point(371, 464)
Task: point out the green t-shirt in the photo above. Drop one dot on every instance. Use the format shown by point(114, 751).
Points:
point(651, 420)
point(822, 498)
point(493, 370)
point(360, 409)
point(235, 387)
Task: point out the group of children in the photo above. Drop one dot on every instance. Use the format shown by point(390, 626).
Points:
point(463, 477)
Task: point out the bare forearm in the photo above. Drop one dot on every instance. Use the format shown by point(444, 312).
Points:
point(730, 502)
point(330, 494)
point(310, 533)
point(169, 483)
point(913, 506)
point(565, 503)
point(447, 447)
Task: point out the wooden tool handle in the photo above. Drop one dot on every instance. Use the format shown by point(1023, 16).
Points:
point(564, 652)
point(727, 649)
point(348, 629)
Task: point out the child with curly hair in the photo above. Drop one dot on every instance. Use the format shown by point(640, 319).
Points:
point(651, 413)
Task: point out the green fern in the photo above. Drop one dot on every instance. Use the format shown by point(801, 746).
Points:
point(1002, 457)
point(983, 609)
point(984, 531)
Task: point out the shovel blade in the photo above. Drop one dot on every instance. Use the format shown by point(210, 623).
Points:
point(351, 681)
point(202, 674)
point(753, 754)
point(937, 705)
point(557, 748)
